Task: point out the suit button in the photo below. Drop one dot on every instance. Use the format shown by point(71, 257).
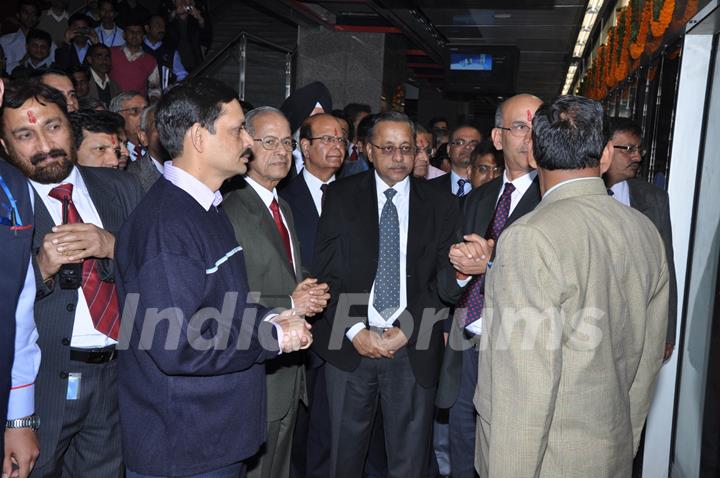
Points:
point(70, 308)
point(63, 375)
point(66, 341)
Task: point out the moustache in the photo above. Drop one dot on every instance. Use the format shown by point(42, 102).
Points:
point(53, 153)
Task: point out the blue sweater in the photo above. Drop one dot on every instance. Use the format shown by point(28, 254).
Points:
point(187, 406)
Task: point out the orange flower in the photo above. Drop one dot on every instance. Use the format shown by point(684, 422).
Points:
point(666, 13)
point(637, 48)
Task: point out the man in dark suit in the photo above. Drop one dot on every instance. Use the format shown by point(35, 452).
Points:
point(623, 184)
point(460, 363)
point(375, 235)
point(178, 254)
point(77, 213)
point(323, 146)
point(78, 39)
point(264, 227)
point(462, 142)
point(17, 281)
point(151, 166)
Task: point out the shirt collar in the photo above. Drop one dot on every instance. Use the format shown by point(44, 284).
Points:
point(562, 183)
point(74, 178)
point(402, 187)
point(192, 185)
point(620, 188)
point(151, 45)
point(266, 196)
point(130, 55)
point(314, 182)
point(522, 183)
point(102, 83)
point(63, 16)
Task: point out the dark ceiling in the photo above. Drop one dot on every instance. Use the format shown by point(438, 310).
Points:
point(543, 32)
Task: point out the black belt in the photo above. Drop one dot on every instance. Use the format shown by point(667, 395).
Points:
point(102, 355)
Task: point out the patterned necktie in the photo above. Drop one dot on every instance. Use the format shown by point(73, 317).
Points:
point(284, 235)
point(473, 299)
point(387, 277)
point(101, 296)
point(461, 187)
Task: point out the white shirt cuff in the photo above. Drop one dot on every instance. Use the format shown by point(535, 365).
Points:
point(278, 329)
point(464, 282)
point(353, 331)
point(475, 327)
point(21, 402)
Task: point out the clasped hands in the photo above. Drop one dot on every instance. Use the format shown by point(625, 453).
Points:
point(373, 345)
point(472, 256)
point(71, 244)
point(310, 297)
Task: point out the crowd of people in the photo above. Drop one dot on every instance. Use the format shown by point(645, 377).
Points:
point(198, 287)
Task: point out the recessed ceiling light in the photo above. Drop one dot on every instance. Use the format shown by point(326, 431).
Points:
point(502, 15)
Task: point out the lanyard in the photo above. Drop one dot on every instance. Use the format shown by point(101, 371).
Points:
point(102, 36)
point(16, 219)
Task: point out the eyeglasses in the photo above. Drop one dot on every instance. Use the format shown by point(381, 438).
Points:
point(519, 130)
point(462, 143)
point(632, 149)
point(271, 143)
point(428, 150)
point(327, 140)
point(484, 168)
point(389, 149)
point(135, 110)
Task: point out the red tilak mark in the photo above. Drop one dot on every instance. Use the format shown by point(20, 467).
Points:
point(112, 138)
point(335, 130)
point(529, 116)
point(31, 117)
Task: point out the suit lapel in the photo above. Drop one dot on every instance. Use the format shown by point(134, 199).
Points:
point(485, 208)
point(527, 203)
point(43, 222)
point(419, 227)
point(638, 200)
point(307, 197)
point(365, 229)
point(106, 204)
point(293, 237)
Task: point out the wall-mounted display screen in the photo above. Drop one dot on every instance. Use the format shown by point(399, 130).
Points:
point(471, 62)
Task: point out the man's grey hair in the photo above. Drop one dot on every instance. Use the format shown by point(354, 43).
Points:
point(145, 118)
point(118, 102)
point(253, 115)
point(499, 115)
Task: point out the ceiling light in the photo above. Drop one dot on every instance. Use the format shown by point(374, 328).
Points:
point(586, 27)
point(502, 16)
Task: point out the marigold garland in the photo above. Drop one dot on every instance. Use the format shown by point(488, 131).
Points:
point(659, 26)
point(638, 46)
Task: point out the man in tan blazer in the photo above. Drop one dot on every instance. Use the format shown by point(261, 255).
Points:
point(576, 316)
point(264, 227)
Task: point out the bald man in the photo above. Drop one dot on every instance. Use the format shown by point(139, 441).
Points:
point(488, 210)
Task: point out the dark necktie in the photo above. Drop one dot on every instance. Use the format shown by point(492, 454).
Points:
point(323, 189)
point(473, 299)
point(461, 187)
point(387, 278)
point(354, 154)
point(284, 235)
point(610, 192)
point(101, 296)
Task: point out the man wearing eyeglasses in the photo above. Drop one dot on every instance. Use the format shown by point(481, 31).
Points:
point(623, 184)
point(487, 211)
point(382, 246)
point(486, 163)
point(130, 105)
point(462, 141)
point(424, 151)
point(264, 228)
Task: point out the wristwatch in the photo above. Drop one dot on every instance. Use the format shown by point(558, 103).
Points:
point(31, 421)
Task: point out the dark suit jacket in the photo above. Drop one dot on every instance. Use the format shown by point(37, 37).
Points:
point(346, 257)
point(478, 211)
point(14, 257)
point(114, 194)
point(93, 89)
point(66, 57)
point(654, 203)
point(297, 194)
point(269, 274)
point(145, 171)
point(443, 183)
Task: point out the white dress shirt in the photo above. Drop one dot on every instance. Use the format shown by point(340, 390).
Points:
point(267, 197)
point(401, 200)
point(112, 37)
point(27, 353)
point(454, 187)
point(158, 165)
point(313, 184)
point(522, 184)
point(621, 192)
point(84, 334)
point(14, 46)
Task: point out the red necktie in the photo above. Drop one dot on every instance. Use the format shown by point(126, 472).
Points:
point(101, 296)
point(354, 154)
point(282, 230)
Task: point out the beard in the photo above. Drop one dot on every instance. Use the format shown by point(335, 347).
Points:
point(51, 173)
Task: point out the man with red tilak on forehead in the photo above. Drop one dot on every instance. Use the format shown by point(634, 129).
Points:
point(488, 210)
point(78, 210)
